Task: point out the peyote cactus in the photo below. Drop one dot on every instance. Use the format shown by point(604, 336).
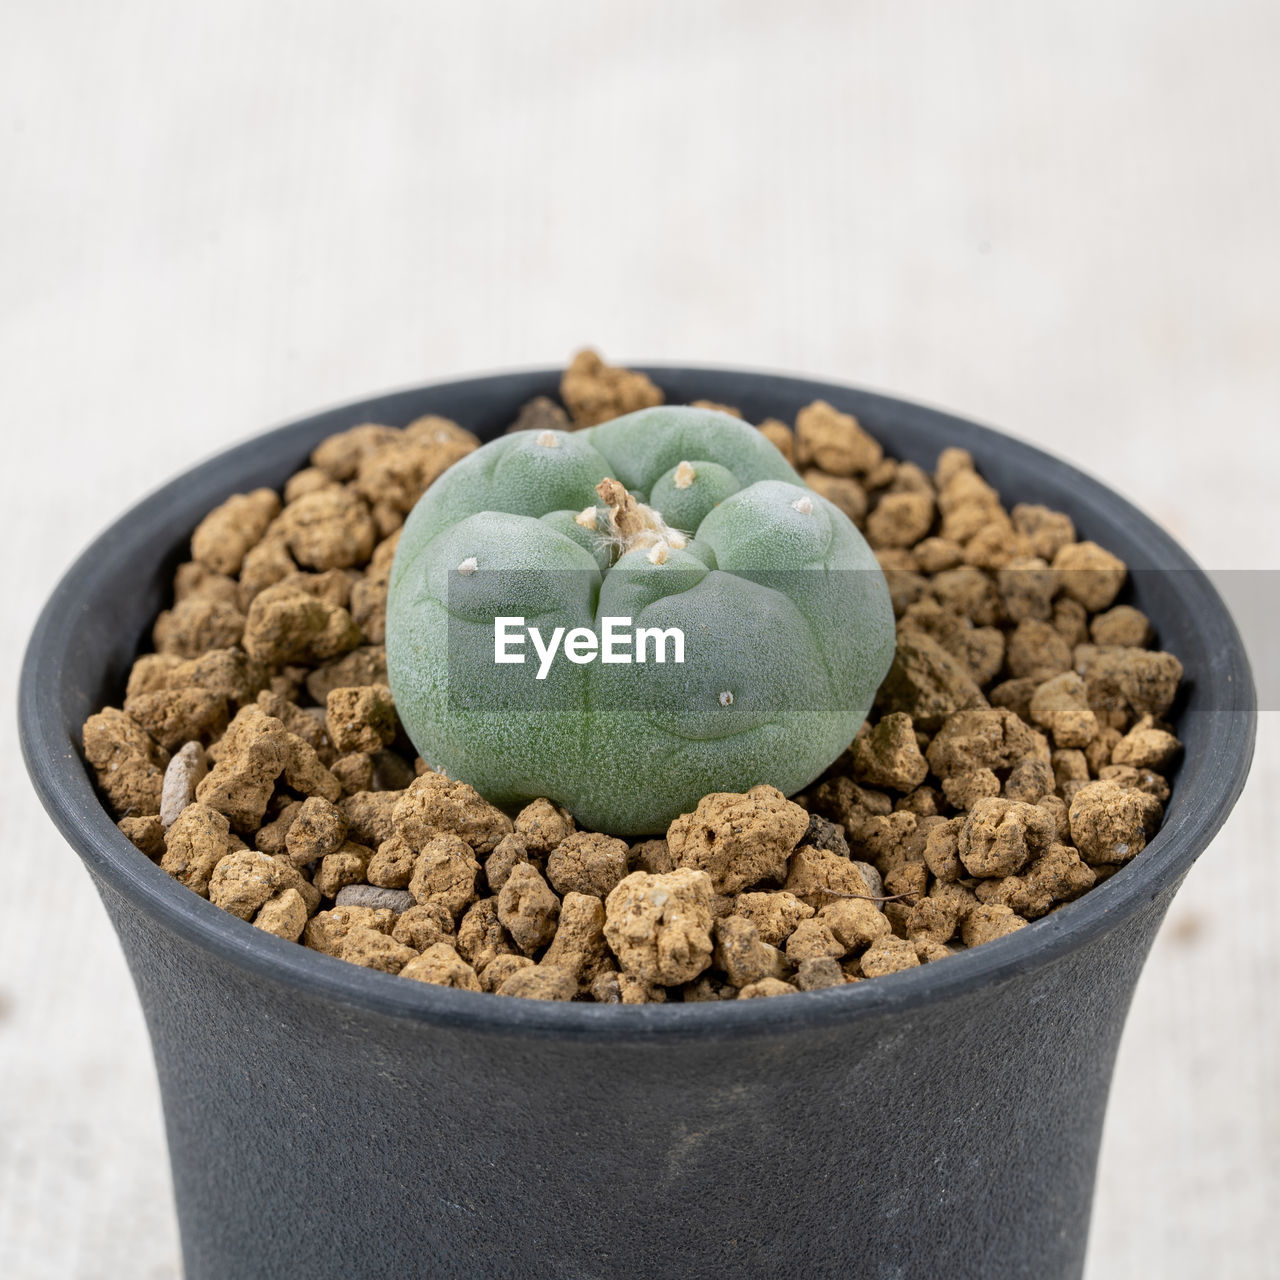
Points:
point(666, 518)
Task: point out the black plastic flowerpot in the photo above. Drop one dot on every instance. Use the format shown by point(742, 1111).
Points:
point(330, 1121)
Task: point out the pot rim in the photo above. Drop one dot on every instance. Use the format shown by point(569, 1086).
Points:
point(62, 782)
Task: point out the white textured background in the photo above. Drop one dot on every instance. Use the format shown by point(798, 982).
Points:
point(1057, 218)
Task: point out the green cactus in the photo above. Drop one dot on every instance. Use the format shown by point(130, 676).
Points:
point(671, 517)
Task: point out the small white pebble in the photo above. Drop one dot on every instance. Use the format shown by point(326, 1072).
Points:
point(875, 885)
point(803, 505)
point(1122, 848)
point(548, 439)
point(658, 553)
point(685, 475)
point(469, 565)
point(368, 895)
point(726, 699)
point(587, 517)
point(185, 770)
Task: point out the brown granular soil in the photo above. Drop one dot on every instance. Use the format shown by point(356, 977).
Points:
point(1016, 757)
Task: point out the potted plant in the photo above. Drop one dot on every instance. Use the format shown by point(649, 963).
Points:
point(327, 1119)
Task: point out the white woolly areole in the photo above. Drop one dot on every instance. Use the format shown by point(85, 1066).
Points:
point(588, 518)
point(548, 439)
point(685, 475)
point(635, 526)
point(469, 565)
point(804, 505)
point(658, 553)
point(726, 699)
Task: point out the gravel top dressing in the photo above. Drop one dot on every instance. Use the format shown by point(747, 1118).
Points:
point(1005, 756)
